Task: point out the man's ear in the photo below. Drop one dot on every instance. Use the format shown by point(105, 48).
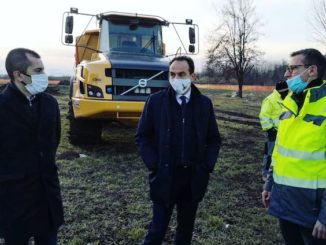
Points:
point(16, 75)
point(193, 77)
point(314, 71)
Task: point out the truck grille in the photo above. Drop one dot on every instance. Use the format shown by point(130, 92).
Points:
point(125, 79)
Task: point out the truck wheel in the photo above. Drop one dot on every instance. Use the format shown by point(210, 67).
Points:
point(83, 132)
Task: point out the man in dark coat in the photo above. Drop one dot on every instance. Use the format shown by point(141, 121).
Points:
point(179, 141)
point(30, 199)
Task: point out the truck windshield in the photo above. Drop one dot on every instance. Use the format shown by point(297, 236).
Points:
point(140, 39)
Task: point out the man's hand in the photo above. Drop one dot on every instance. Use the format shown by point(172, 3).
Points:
point(319, 230)
point(265, 197)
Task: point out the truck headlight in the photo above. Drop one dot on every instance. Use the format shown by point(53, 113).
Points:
point(93, 91)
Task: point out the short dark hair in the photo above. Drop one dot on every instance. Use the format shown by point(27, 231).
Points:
point(313, 57)
point(17, 60)
point(188, 60)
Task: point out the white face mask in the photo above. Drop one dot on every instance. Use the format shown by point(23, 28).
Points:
point(180, 86)
point(39, 84)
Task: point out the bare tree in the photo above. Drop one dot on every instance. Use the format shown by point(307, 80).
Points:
point(318, 20)
point(233, 43)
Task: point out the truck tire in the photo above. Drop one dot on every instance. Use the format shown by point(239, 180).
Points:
point(83, 131)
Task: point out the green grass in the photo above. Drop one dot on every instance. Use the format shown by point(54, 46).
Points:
point(106, 198)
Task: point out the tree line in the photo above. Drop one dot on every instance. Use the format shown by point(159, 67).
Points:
point(233, 55)
point(266, 73)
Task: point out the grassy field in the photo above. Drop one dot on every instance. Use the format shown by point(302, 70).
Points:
point(105, 192)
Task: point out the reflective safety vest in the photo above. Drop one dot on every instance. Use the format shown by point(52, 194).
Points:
point(271, 109)
point(299, 156)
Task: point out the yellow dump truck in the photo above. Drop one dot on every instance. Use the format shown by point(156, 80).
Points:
point(118, 65)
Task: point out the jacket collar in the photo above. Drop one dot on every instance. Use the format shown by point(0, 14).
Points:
point(169, 93)
point(315, 83)
point(294, 102)
point(12, 89)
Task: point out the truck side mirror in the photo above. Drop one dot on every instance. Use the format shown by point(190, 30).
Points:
point(69, 39)
point(191, 48)
point(192, 35)
point(69, 24)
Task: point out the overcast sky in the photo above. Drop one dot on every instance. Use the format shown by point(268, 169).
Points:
point(36, 24)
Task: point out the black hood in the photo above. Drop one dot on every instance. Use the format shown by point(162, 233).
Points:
point(142, 62)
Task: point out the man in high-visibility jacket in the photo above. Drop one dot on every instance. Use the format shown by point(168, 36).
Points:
point(271, 109)
point(295, 193)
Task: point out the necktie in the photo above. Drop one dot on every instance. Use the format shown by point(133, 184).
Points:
point(183, 103)
point(183, 100)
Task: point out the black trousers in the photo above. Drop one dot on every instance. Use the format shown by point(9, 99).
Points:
point(294, 234)
point(268, 151)
point(186, 212)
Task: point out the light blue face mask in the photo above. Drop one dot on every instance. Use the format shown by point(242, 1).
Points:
point(39, 84)
point(296, 84)
point(180, 86)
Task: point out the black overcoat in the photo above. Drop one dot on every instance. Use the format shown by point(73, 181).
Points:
point(30, 198)
point(153, 138)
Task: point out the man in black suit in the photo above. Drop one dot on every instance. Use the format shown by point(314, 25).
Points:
point(179, 141)
point(30, 199)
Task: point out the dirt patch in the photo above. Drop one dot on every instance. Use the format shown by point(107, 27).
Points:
point(237, 117)
point(236, 114)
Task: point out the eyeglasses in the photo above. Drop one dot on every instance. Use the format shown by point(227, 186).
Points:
point(291, 68)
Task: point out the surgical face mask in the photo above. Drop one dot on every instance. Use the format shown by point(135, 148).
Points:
point(180, 86)
point(39, 84)
point(296, 84)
